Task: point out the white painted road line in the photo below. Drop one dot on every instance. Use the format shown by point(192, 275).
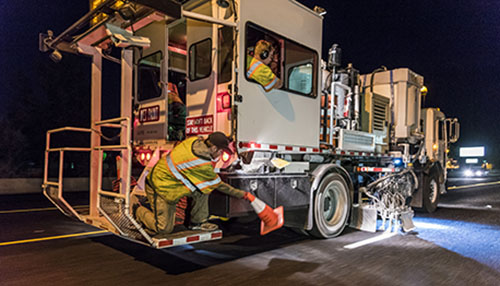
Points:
point(383, 236)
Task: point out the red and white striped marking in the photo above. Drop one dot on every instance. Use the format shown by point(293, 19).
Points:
point(199, 237)
point(297, 149)
point(377, 169)
point(274, 147)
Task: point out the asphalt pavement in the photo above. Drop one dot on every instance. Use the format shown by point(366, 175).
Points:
point(457, 245)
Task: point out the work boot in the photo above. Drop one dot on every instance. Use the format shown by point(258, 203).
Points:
point(205, 226)
point(134, 210)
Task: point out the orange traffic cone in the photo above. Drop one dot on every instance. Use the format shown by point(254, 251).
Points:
point(270, 219)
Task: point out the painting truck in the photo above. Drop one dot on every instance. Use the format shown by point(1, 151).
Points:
point(332, 145)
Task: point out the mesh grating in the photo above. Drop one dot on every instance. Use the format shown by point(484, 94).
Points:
point(114, 208)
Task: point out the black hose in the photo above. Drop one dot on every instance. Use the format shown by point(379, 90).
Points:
point(372, 75)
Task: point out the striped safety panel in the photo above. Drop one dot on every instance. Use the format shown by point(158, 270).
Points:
point(298, 149)
point(198, 237)
point(377, 169)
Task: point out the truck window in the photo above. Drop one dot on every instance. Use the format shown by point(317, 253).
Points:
point(440, 130)
point(295, 64)
point(225, 54)
point(300, 78)
point(200, 60)
point(149, 81)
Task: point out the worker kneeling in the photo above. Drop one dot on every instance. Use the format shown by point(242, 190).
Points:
point(188, 171)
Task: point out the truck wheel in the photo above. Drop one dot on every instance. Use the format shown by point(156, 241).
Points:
point(431, 192)
point(331, 207)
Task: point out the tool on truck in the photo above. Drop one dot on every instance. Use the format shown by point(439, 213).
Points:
point(332, 146)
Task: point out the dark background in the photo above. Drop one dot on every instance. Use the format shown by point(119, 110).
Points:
point(453, 44)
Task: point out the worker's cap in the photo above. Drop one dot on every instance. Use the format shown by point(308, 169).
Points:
point(221, 141)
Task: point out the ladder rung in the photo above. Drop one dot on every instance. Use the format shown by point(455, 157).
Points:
point(113, 120)
point(69, 149)
point(111, 125)
point(111, 194)
point(111, 147)
point(51, 184)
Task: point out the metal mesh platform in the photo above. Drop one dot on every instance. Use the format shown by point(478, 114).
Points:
point(114, 209)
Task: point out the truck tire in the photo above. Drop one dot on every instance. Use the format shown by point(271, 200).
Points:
point(430, 195)
point(331, 208)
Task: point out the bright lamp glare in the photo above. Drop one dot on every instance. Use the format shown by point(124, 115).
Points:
point(468, 173)
point(397, 162)
point(225, 156)
point(479, 173)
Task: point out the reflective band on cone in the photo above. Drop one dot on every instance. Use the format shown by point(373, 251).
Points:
point(258, 205)
point(270, 219)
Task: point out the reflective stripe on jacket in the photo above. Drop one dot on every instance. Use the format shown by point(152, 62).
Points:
point(181, 172)
point(261, 73)
point(199, 172)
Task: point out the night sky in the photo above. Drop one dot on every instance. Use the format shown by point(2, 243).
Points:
point(454, 44)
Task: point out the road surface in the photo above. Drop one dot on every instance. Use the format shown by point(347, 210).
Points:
point(457, 245)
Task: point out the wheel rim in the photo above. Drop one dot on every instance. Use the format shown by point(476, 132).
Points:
point(333, 205)
point(433, 191)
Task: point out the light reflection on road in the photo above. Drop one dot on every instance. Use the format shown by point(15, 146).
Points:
point(477, 241)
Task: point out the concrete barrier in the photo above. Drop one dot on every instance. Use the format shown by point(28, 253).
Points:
point(34, 185)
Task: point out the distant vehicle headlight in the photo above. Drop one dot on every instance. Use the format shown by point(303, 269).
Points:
point(468, 173)
point(479, 173)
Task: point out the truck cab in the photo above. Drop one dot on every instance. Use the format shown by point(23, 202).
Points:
point(439, 132)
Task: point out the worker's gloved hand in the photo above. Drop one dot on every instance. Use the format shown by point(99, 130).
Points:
point(265, 212)
point(249, 197)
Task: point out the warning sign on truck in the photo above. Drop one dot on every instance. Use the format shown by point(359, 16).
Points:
point(200, 125)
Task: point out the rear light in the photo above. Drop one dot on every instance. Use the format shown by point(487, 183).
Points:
point(223, 102)
point(226, 101)
point(143, 156)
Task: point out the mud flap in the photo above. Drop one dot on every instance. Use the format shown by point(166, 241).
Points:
point(407, 221)
point(364, 217)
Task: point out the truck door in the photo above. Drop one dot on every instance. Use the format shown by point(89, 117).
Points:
point(201, 88)
point(161, 72)
point(151, 105)
point(210, 72)
point(286, 115)
point(442, 142)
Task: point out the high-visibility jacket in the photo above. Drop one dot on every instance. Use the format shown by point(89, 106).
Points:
point(261, 73)
point(181, 172)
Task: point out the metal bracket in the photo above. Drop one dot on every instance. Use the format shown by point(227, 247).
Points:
point(238, 98)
